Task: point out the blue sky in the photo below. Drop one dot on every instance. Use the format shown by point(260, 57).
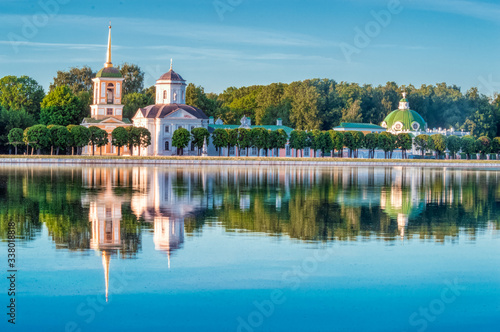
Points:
point(247, 42)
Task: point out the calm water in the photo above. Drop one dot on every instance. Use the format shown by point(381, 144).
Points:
point(249, 249)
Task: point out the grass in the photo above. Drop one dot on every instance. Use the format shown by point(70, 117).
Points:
point(409, 161)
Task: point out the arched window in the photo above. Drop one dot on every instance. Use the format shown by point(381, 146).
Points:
point(111, 93)
point(165, 94)
point(167, 146)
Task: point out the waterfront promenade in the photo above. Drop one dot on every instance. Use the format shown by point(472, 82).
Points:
point(232, 161)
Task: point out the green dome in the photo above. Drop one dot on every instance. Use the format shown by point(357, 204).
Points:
point(109, 72)
point(404, 119)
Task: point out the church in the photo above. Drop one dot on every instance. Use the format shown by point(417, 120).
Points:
point(168, 114)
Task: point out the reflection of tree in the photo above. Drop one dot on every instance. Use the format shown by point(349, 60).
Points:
point(303, 203)
point(14, 207)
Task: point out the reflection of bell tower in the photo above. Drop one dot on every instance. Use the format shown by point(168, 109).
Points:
point(106, 236)
point(105, 263)
point(168, 234)
point(105, 219)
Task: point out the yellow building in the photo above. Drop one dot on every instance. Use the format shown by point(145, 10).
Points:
point(106, 112)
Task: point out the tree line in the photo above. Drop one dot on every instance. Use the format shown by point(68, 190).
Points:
point(71, 139)
point(316, 104)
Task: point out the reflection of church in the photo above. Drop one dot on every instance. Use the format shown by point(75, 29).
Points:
point(162, 198)
point(105, 213)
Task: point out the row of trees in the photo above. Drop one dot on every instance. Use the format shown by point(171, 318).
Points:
point(454, 144)
point(317, 104)
point(74, 137)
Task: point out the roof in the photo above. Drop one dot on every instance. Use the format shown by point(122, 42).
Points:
point(368, 126)
point(109, 72)
point(162, 110)
point(171, 76)
point(212, 127)
point(410, 120)
point(92, 120)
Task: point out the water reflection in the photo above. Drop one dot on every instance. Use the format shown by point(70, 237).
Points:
point(107, 209)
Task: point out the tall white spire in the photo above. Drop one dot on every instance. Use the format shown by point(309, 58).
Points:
point(108, 53)
point(105, 263)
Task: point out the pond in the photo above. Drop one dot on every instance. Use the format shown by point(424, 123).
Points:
point(250, 249)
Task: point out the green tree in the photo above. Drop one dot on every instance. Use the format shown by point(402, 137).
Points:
point(60, 138)
point(261, 138)
point(220, 137)
point(338, 141)
point(198, 137)
point(422, 143)
point(101, 140)
point(21, 93)
point(453, 144)
point(232, 139)
point(15, 137)
point(133, 78)
point(98, 137)
point(37, 137)
point(349, 142)
point(304, 114)
point(387, 142)
point(61, 107)
point(469, 146)
point(359, 139)
point(244, 140)
point(298, 141)
point(80, 137)
point(12, 119)
point(144, 138)
point(484, 145)
point(404, 142)
point(181, 139)
point(195, 96)
point(439, 144)
point(134, 138)
point(133, 101)
point(371, 143)
point(495, 146)
point(326, 144)
point(119, 137)
point(77, 79)
point(313, 141)
point(281, 139)
point(353, 114)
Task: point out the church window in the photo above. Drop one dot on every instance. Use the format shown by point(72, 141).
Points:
point(167, 128)
point(288, 151)
point(110, 93)
point(231, 150)
point(165, 94)
point(306, 152)
point(167, 146)
point(109, 111)
point(254, 151)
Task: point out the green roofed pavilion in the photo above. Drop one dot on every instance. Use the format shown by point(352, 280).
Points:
point(404, 119)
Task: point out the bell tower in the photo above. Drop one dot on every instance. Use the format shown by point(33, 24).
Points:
point(171, 88)
point(107, 100)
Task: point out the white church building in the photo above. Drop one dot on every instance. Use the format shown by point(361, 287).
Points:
point(168, 114)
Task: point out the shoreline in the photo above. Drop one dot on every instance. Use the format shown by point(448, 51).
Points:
point(244, 161)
